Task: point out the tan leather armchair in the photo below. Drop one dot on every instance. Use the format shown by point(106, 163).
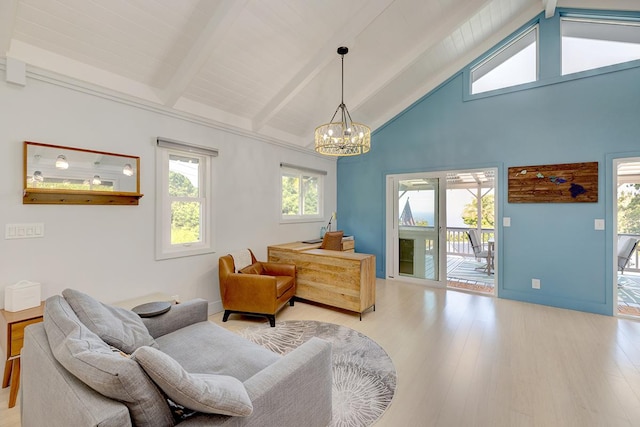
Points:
point(332, 240)
point(260, 289)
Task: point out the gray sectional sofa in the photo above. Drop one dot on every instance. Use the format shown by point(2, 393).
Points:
point(91, 364)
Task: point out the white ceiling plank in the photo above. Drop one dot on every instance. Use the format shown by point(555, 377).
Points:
point(265, 68)
point(367, 14)
point(549, 8)
point(7, 19)
point(450, 24)
point(222, 18)
point(454, 66)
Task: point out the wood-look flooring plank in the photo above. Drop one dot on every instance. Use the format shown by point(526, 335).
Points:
point(475, 360)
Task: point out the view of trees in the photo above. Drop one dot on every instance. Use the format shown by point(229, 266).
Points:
point(291, 195)
point(185, 215)
point(629, 209)
point(470, 212)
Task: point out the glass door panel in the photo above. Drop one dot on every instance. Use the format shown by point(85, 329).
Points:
point(418, 228)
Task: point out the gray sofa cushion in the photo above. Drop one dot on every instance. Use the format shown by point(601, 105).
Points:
point(92, 361)
point(215, 344)
point(212, 394)
point(117, 326)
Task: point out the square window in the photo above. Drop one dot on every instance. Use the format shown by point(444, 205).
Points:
point(301, 193)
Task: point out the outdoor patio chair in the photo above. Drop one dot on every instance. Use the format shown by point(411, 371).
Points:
point(626, 246)
point(478, 250)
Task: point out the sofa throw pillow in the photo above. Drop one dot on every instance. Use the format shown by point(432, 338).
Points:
point(93, 362)
point(255, 268)
point(117, 326)
point(208, 393)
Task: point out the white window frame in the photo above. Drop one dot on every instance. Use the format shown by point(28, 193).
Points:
point(164, 248)
point(610, 29)
point(500, 56)
point(300, 171)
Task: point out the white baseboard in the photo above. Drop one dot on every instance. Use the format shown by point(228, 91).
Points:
point(215, 307)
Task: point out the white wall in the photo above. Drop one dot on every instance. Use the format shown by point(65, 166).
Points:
point(108, 251)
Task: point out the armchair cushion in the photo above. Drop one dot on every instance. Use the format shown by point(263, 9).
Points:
point(117, 326)
point(283, 284)
point(255, 268)
point(213, 394)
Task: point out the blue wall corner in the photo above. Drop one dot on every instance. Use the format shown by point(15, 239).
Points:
point(577, 120)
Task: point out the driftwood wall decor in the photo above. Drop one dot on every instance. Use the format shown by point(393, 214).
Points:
point(562, 183)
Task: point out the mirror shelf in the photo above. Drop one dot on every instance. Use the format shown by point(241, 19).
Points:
point(55, 174)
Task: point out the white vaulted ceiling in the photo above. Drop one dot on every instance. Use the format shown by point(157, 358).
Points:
point(268, 67)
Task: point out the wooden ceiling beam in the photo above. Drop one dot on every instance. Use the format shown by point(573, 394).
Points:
point(463, 13)
point(221, 19)
point(549, 8)
point(361, 20)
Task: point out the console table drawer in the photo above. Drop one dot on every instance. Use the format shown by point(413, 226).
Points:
point(17, 335)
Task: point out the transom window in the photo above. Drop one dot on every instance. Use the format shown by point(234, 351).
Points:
point(514, 64)
point(594, 43)
point(302, 193)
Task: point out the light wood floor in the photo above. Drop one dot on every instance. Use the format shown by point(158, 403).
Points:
point(471, 360)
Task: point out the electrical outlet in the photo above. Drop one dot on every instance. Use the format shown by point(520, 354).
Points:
point(176, 298)
point(535, 283)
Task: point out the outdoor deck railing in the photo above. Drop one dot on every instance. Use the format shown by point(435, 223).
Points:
point(458, 244)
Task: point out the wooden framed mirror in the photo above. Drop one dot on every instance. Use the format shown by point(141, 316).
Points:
point(55, 174)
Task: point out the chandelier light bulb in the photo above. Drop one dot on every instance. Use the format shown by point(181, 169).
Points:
point(96, 180)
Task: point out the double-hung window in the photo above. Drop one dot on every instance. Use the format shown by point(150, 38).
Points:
point(183, 217)
point(302, 193)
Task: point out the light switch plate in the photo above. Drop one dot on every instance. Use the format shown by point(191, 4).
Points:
point(24, 231)
point(506, 221)
point(599, 224)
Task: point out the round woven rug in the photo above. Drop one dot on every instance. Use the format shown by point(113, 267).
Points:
point(364, 378)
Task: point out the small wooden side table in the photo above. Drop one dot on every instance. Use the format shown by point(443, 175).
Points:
point(12, 326)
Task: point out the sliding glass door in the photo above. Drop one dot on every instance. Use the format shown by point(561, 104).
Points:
point(415, 224)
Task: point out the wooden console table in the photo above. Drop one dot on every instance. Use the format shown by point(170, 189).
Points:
point(340, 279)
point(12, 326)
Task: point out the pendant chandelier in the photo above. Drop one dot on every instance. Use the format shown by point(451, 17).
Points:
point(345, 137)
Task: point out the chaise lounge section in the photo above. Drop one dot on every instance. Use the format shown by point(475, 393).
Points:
point(109, 387)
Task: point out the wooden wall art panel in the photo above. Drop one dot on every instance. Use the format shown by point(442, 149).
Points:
point(562, 183)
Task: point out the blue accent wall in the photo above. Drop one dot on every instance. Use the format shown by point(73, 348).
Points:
point(559, 121)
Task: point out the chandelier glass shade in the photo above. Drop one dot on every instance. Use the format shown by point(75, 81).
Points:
point(344, 137)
